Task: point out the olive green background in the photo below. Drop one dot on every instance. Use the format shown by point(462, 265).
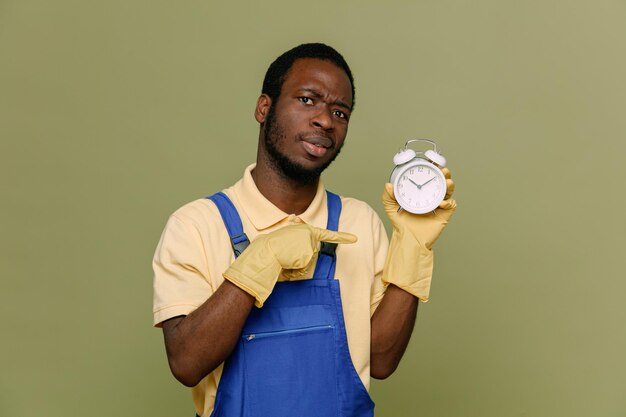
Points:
point(113, 114)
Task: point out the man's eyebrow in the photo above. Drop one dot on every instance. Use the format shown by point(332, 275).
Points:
point(342, 104)
point(314, 93)
point(317, 94)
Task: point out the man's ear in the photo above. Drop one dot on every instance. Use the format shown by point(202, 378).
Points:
point(263, 105)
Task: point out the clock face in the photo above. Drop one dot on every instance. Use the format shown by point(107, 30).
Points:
point(419, 186)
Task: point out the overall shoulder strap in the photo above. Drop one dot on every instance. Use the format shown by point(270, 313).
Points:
point(325, 267)
point(238, 238)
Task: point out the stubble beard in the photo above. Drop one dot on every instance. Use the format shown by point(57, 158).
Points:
point(281, 163)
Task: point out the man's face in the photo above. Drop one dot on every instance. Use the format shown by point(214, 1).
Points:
point(305, 130)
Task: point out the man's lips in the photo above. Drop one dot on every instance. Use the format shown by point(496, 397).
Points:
point(320, 141)
point(316, 146)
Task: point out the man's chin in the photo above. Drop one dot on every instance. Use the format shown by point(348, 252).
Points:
point(301, 173)
point(306, 169)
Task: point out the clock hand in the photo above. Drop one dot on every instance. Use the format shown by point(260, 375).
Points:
point(419, 187)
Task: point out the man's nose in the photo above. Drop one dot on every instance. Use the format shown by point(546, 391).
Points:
point(323, 119)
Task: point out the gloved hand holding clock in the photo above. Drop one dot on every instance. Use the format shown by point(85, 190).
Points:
point(409, 262)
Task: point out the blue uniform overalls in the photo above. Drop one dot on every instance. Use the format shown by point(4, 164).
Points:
point(292, 359)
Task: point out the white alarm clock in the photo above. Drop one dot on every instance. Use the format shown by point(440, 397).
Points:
point(418, 183)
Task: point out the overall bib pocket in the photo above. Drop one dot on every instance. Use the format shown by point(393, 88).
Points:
point(285, 362)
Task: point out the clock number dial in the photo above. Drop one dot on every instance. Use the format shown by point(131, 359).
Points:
point(420, 187)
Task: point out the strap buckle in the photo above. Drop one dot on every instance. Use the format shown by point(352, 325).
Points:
point(328, 248)
point(239, 243)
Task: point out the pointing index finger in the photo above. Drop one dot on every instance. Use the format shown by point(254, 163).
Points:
point(324, 235)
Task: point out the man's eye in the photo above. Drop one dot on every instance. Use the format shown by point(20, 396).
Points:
point(340, 114)
point(305, 100)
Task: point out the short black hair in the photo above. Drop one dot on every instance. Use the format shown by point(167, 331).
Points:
point(278, 70)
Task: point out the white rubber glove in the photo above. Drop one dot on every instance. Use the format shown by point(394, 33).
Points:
point(409, 263)
point(291, 248)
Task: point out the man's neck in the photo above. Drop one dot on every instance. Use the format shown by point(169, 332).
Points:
point(290, 196)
